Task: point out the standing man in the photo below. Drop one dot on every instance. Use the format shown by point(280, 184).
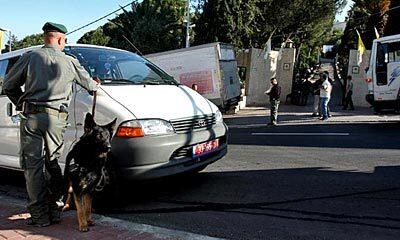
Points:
point(47, 74)
point(325, 96)
point(274, 93)
point(348, 94)
point(316, 89)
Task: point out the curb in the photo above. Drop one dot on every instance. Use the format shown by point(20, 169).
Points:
point(159, 232)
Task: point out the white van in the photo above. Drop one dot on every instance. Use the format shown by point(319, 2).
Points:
point(384, 74)
point(164, 128)
point(213, 67)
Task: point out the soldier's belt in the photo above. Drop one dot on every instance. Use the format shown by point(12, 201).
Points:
point(33, 109)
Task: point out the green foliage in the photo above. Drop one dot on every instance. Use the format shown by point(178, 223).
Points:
point(95, 37)
point(150, 26)
point(227, 21)
point(28, 41)
point(364, 16)
point(249, 24)
point(392, 26)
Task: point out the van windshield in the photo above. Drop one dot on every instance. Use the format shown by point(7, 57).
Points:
point(119, 67)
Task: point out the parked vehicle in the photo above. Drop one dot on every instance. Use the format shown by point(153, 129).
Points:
point(384, 74)
point(164, 128)
point(213, 67)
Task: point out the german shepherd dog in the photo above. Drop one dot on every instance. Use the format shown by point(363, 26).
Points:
point(85, 169)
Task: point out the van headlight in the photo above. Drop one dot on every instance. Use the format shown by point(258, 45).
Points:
point(141, 128)
point(218, 116)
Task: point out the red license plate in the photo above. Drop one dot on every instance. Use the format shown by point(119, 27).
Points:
point(206, 147)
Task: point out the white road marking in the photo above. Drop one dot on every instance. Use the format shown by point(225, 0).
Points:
point(300, 134)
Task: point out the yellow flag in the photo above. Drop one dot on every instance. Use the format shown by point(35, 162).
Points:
point(376, 33)
point(361, 48)
point(1, 40)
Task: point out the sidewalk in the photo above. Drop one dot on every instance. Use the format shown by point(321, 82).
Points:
point(12, 226)
point(290, 114)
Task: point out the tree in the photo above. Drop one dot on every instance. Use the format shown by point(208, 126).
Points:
point(250, 23)
point(364, 16)
point(150, 26)
point(226, 21)
point(95, 37)
point(392, 27)
point(28, 41)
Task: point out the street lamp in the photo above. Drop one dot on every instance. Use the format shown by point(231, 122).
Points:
point(9, 35)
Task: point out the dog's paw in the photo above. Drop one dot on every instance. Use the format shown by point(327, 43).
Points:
point(65, 208)
point(91, 223)
point(83, 229)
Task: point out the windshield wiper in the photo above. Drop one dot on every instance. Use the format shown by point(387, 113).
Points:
point(169, 81)
point(150, 83)
point(117, 80)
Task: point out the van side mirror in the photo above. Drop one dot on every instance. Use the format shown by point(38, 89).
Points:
point(9, 109)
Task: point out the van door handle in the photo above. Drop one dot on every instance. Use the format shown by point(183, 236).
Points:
point(79, 124)
point(9, 109)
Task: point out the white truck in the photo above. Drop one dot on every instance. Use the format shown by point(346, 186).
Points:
point(383, 75)
point(212, 67)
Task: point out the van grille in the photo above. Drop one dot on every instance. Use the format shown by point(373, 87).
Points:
point(185, 125)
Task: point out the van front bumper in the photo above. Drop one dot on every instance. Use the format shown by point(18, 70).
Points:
point(153, 157)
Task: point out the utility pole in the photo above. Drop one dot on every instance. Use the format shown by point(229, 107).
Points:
point(10, 40)
point(188, 24)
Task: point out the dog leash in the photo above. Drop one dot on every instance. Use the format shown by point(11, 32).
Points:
point(103, 181)
point(94, 103)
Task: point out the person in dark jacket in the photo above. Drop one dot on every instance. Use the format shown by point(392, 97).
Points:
point(274, 93)
point(316, 89)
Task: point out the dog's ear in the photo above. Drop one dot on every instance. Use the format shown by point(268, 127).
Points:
point(111, 126)
point(89, 122)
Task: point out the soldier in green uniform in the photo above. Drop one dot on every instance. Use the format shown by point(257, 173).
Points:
point(47, 74)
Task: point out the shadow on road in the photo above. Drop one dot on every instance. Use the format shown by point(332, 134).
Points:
point(317, 197)
point(265, 200)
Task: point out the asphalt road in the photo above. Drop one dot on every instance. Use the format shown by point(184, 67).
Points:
point(300, 181)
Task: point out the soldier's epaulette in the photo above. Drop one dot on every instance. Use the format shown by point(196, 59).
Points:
point(69, 54)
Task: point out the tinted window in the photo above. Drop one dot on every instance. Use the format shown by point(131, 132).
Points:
point(386, 53)
point(382, 59)
point(3, 69)
point(394, 52)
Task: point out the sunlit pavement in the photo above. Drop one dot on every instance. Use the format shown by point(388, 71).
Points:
point(303, 179)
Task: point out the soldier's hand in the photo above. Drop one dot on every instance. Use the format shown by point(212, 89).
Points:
point(97, 80)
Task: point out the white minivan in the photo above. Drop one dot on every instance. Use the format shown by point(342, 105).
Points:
point(164, 128)
point(383, 74)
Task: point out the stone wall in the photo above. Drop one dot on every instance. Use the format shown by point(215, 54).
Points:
point(284, 71)
point(359, 75)
point(261, 68)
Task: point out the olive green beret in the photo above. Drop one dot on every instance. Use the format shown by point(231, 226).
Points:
point(54, 27)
